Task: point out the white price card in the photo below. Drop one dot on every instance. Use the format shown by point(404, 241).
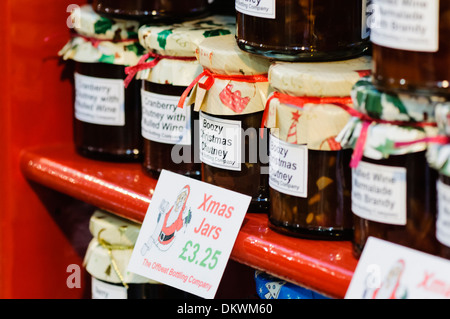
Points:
point(188, 233)
point(390, 271)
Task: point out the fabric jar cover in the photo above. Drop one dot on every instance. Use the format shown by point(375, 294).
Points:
point(438, 154)
point(102, 40)
point(112, 245)
point(179, 40)
point(228, 94)
point(395, 124)
point(318, 121)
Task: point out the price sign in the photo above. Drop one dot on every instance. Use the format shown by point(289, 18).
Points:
point(188, 233)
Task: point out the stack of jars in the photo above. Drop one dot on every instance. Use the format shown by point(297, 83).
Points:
point(393, 186)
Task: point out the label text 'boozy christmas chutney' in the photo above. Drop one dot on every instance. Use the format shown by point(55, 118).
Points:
point(220, 142)
point(379, 193)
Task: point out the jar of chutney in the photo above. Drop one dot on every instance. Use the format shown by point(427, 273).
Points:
point(291, 30)
point(309, 174)
point(229, 97)
point(152, 10)
point(411, 46)
point(106, 115)
point(393, 187)
point(167, 130)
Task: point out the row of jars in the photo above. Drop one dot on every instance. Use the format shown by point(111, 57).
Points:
point(331, 135)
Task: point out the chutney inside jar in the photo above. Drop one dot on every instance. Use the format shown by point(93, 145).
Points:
point(248, 180)
point(151, 9)
point(325, 213)
point(158, 155)
point(420, 228)
point(105, 137)
point(318, 30)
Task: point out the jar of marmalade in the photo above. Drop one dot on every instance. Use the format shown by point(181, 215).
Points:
point(393, 187)
point(438, 155)
point(230, 99)
point(106, 115)
point(167, 130)
point(107, 259)
point(152, 10)
point(292, 30)
point(412, 33)
point(309, 174)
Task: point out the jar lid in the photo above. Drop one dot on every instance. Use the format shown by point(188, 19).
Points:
point(381, 138)
point(102, 265)
point(183, 39)
point(113, 229)
point(393, 107)
point(223, 56)
point(85, 50)
point(88, 23)
point(318, 78)
point(173, 72)
point(314, 125)
point(269, 287)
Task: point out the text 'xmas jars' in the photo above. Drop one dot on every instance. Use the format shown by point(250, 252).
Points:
point(152, 10)
point(294, 30)
point(106, 115)
point(309, 174)
point(107, 259)
point(230, 95)
point(166, 72)
point(393, 187)
point(411, 46)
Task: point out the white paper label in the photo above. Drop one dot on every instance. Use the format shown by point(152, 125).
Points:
point(288, 167)
point(99, 101)
point(256, 8)
point(163, 121)
point(220, 142)
point(390, 271)
point(367, 11)
point(379, 193)
point(411, 25)
point(188, 234)
point(443, 216)
point(103, 290)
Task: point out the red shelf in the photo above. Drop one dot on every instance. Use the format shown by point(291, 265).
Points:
point(123, 189)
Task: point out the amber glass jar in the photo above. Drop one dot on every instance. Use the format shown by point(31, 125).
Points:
point(294, 30)
point(419, 229)
point(151, 10)
point(241, 174)
point(394, 55)
point(175, 128)
point(98, 135)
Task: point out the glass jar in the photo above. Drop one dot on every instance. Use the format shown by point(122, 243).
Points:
point(400, 42)
point(309, 175)
point(393, 187)
point(292, 30)
point(231, 102)
point(106, 115)
point(167, 130)
point(151, 10)
point(110, 131)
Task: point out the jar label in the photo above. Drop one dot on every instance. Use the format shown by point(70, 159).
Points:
point(406, 25)
point(288, 167)
point(220, 142)
point(163, 121)
point(367, 11)
point(104, 290)
point(379, 193)
point(443, 216)
point(256, 8)
point(99, 101)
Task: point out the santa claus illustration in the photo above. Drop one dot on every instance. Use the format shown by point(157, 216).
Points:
point(391, 287)
point(169, 222)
